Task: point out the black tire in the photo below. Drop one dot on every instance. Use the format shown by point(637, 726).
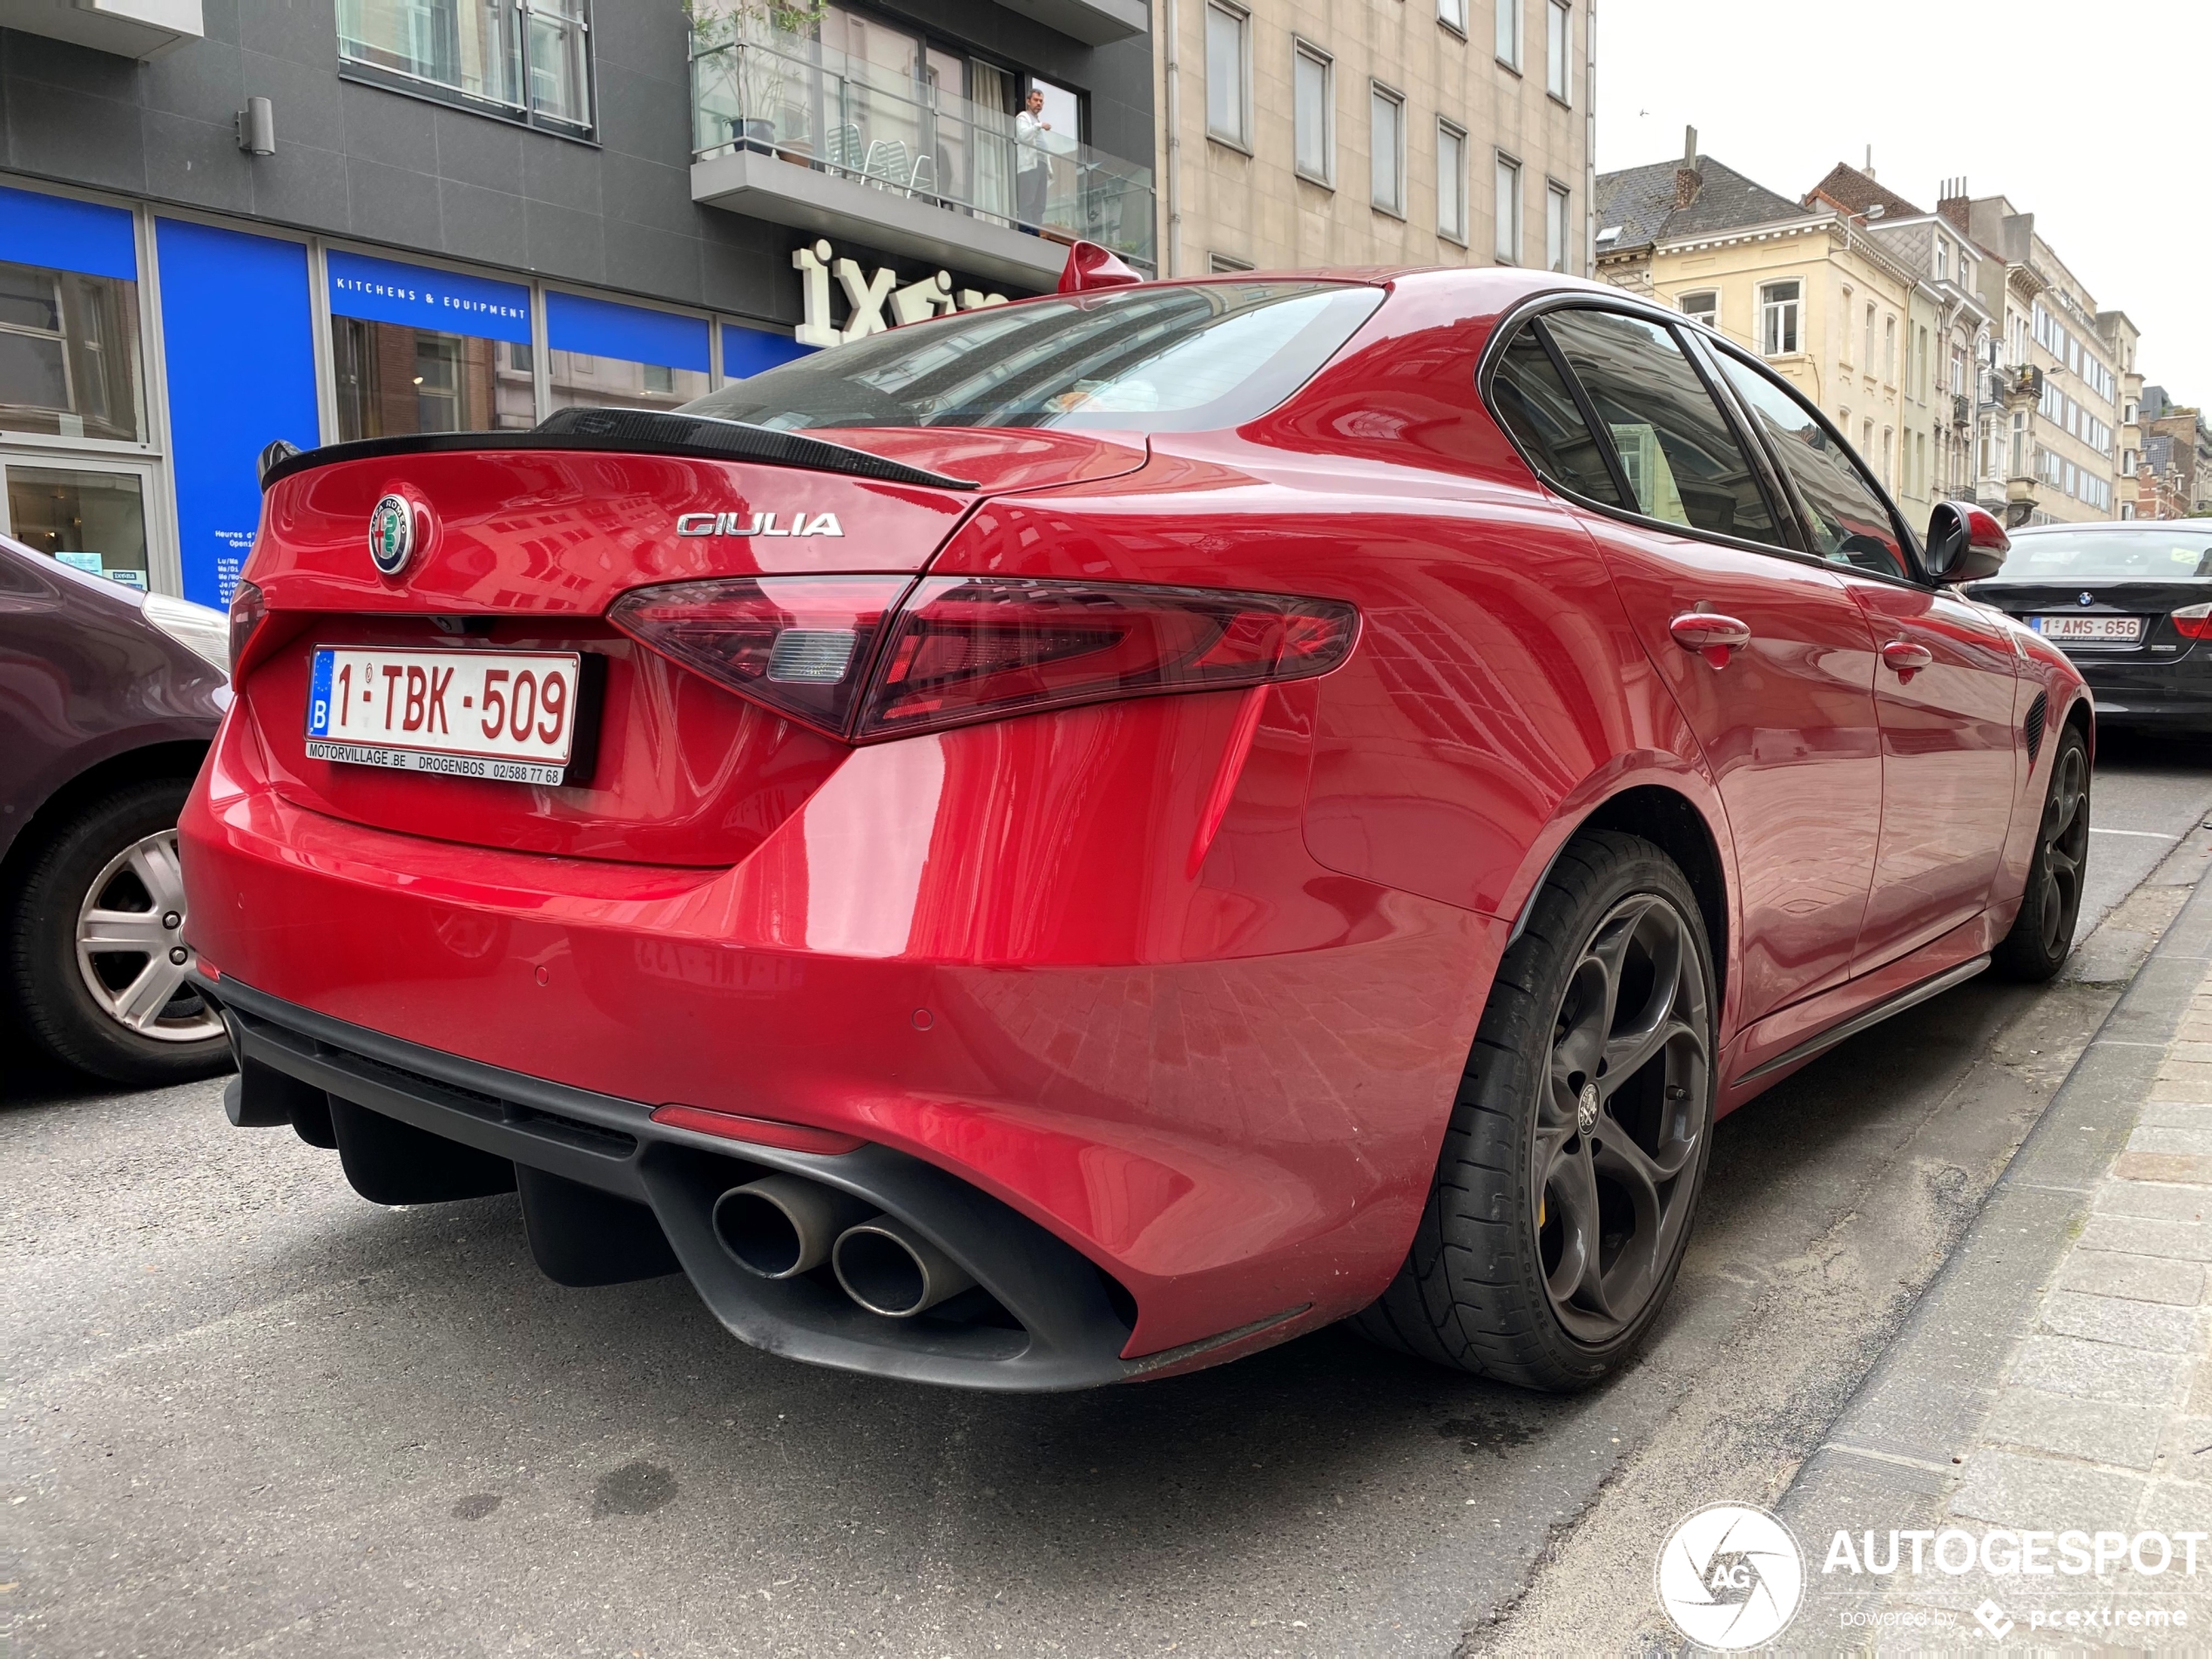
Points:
point(2042, 933)
point(39, 938)
point(1481, 1288)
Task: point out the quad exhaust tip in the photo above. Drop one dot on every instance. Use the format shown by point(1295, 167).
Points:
point(890, 1269)
point(781, 1225)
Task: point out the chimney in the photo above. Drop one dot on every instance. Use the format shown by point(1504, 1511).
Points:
point(1868, 168)
point(1952, 205)
point(1688, 180)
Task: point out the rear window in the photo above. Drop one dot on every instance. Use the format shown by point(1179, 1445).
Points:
point(1174, 359)
point(2150, 555)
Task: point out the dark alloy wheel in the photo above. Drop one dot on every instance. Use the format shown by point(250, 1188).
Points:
point(1617, 1130)
point(1571, 1170)
point(2042, 933)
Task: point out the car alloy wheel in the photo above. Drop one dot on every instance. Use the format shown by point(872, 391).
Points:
point(1619, 1120)
point(2064, 844)
point(131, 951)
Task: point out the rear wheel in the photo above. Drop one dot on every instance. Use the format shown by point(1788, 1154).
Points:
point(2042, 933)
point(1570, 1173)
point(95, 948)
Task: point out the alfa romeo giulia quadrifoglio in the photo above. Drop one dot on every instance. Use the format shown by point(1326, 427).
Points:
point(1071, 842)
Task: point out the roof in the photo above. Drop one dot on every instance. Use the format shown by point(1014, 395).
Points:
point(1857, 193)
point(1641, 201)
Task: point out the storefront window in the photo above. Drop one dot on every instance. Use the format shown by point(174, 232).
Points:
point(403, 366)
point(68, 354)
point(94, 521)
point(618, 356)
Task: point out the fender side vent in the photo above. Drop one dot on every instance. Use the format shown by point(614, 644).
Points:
point(2032, 728)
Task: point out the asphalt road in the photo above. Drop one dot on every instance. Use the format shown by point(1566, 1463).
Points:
point(245, 1411)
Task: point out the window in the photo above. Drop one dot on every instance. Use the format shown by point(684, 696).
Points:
point(1228, 76)
point(1509, 32)
point(1559, 32)
point(1778, 303)
point(1920, 367)
point(1559, 239)
point(1888, 350)
point(521, 60)
point(1166, 358)
point(1942, 259)
point(1508, 214)
point(1851, 524)
point(1452, 14)
point(1534, 405)
point(1921, 462)
point(400, 366)
point(1867, 360)
point(1703, 306)
point(94, 522)
point(1679, 454)
point(1217, 264)
point(1451, 182)
point(68, 354)
point(1844, 356)
point(1387, 139)
point(1313, 113)
point(615, 356)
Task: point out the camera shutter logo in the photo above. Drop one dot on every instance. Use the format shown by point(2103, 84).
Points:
point(391, 533)
point(1730, 1577)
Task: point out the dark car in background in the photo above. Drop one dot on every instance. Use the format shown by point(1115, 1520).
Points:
point(2130, 602)
point(109, 698)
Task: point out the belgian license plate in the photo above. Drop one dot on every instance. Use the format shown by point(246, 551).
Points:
point(509, 716)
point(2110, 630)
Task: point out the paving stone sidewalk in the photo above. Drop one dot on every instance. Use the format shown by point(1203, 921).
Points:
point(2057, 1378)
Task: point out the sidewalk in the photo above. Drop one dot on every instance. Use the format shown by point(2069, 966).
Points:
point(2058, 1377)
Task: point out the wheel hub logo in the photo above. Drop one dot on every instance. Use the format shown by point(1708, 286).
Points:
point(391, 533)
point(1730, 1577)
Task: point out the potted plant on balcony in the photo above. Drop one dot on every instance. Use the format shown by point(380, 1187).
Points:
point(739, 44)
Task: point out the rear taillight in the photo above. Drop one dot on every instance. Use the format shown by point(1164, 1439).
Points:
point(247, 611)
point(2194, 622)
point(846, 656)
point(799, 644)
point(965, 649)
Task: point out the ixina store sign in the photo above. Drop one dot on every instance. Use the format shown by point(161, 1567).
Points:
point(871, 300)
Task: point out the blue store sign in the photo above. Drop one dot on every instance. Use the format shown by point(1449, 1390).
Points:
point(386, 291)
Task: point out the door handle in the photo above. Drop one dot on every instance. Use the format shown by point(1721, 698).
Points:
point(1711, 636)
point(1906, 658)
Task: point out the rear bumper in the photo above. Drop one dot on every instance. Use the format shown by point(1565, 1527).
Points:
point(2139, 692)
point(1226, 1091)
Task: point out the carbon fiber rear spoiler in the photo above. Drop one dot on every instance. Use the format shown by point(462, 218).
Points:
point(628, 431)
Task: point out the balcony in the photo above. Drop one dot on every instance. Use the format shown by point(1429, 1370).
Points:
point(786, 130)
point(140, 28)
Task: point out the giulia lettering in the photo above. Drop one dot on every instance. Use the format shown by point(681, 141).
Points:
point(758, 524)
point(699, 523)
point(824, 524)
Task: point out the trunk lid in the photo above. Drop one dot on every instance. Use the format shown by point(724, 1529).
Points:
point(522, 542)
point(2151, 602)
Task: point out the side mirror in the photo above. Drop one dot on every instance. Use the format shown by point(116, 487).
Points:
point(1965, 543)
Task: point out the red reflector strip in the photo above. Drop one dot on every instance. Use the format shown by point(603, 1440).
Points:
point(761, 1132)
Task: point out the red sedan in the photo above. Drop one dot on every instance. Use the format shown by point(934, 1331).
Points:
point(1074, 841)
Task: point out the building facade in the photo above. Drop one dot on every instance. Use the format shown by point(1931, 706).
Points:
point(1299, 134)
point(2176, 462)
point(323, 219)
point(2050, 435)
point(1831, 309)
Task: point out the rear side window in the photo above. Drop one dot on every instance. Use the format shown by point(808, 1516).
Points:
point(1851, 522)
point(1532, 402)
point(1682, 456)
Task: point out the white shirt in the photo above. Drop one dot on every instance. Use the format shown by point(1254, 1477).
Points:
point(1028, 139)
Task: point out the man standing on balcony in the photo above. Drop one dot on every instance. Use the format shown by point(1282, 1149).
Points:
point(1033, 167)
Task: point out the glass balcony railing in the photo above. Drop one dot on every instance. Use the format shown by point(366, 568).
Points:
point(796, 100)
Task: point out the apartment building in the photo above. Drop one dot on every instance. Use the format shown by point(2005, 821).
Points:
point(2176, 459)
point(224, 222)
point(2050, 440)
point(1948, 329)
point(1300, 133)
point(1830, 307)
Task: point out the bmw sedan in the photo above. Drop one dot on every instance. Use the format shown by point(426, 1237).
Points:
point(2131, 603)
point(1071, 842)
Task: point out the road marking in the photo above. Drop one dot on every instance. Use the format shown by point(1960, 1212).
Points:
point(1884, 1457)
point(2148, 835)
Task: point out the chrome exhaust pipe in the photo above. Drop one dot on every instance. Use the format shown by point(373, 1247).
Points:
point(781, 1225)
point(890, 1269)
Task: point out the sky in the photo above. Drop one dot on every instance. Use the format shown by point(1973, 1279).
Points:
point(2091, 115)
